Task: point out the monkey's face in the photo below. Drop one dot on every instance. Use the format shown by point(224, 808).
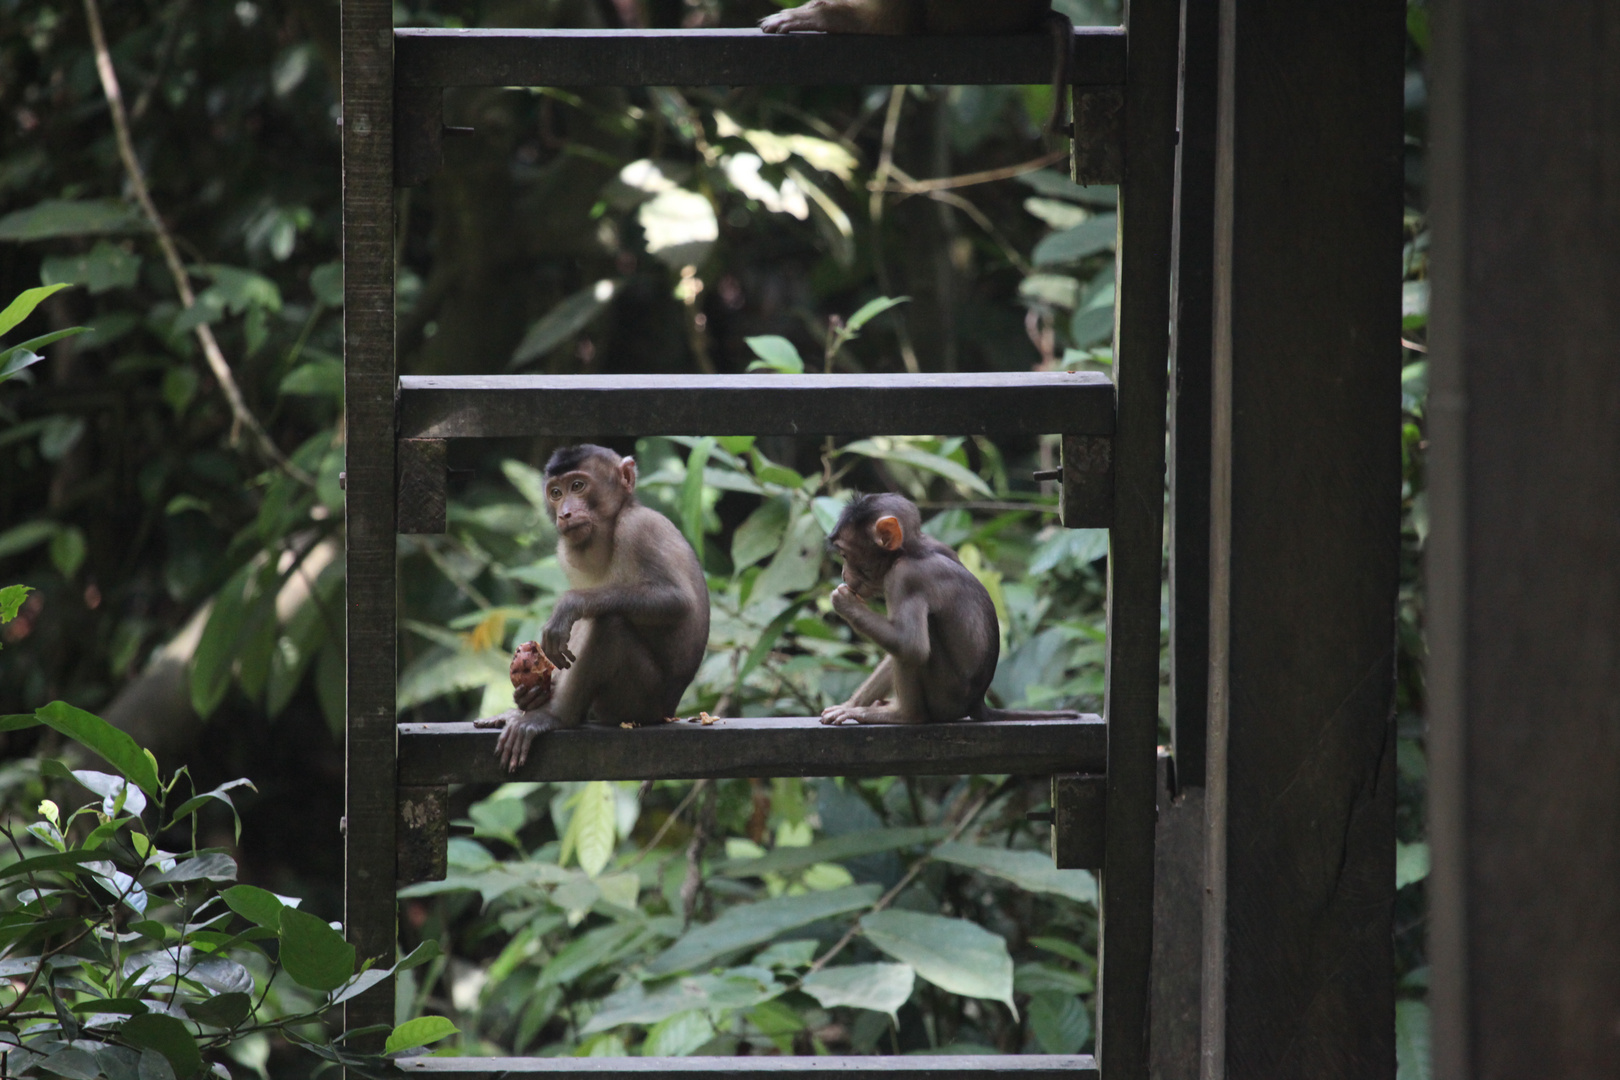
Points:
point(865, 564)
point(580, 501)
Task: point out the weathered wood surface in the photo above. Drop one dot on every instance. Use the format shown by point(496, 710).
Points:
point(775, 746)
point(421, 465)
point(1305, 539)
point(1079, 821)
point(971, 403)
point(368, 381)
point(1523, 610)
point(1191, 328)
point(1141, 349)
point(1087, 496)
point(967, 1067)
point(1178, 933)
point(743, 58)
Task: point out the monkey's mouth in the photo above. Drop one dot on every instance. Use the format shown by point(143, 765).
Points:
point(566, 527)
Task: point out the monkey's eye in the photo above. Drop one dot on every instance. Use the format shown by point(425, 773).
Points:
point(579, 485)
point(556, 493)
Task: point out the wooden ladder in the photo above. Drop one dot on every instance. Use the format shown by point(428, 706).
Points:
point(1124, 97)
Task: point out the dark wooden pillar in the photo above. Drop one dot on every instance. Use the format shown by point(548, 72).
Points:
point(368, 355)
point(1305, 505)
point(1524, 549)
point(1178, 854)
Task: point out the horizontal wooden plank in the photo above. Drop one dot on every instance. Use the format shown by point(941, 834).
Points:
point(918, 1067)
point(977, 403)
point(742, 58)
point(773, 746)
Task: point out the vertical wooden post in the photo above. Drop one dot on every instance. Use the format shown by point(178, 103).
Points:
point(1305, 533)
point(1179, 861)
point(1136, 542)
point(1524, 550)
point(368, 327)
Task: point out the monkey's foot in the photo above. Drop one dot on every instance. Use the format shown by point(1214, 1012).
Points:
point(860, 714)
point(518, 735)
point(498, 720)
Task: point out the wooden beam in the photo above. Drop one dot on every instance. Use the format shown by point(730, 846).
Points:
point(573, 406)
point(908, 1067)
point(743, 58)
point(431, 754)
point(1136, 539)
point(1523, 562)
point(368, 384)
point(1305, 541)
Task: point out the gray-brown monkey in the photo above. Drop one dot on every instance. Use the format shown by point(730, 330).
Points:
point(629, 634)
point(912, 17)
point(941, 634)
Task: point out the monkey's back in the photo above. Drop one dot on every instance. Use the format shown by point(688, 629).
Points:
point(964, 638)
point(664, 553)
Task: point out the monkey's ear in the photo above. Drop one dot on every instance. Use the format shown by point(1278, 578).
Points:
point(887, 533)
point(627, 473)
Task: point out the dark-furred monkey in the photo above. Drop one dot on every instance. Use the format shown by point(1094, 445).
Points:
point(630, 632)
point(912, 17)
point(941, 633)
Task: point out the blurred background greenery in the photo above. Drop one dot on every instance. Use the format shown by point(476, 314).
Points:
point(188, 580)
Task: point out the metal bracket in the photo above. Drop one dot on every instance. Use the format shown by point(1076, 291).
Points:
point(1099, 134)
point(1087, 500)
point(420, 472)
point(1079, 825)
point(422, 834)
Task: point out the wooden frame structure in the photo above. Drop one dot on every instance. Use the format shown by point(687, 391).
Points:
point(1124, 98)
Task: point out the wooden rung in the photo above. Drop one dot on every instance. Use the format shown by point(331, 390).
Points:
point(917, 1067)
point(974, 403)
point(742, 58)
point(431, 754)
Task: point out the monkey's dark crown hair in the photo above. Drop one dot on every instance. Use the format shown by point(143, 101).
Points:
point(862, 510)
point(570, 458)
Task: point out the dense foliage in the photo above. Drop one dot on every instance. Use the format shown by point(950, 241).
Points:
point(187, 578)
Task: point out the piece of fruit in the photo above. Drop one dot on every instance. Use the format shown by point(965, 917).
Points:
point(530, 668)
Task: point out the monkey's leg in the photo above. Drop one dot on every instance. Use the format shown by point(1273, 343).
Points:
point(847, 17)
point(878, 685)
point(909, 706)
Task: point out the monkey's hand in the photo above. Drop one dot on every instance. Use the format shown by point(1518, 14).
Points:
point(531, 698)
point(847, 603)
point(498, 720)
point(513, 745)
point(554, 638)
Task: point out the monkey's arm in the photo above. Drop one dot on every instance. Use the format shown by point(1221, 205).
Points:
point(903, 636)
point(646, 604)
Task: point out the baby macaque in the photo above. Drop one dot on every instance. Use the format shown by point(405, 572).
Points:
point(912, 17)
point(629, 634)
point(941, 633)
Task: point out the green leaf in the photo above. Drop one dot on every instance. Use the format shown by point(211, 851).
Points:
point(317, 378)
point(1084, 240)
point(880, 987)
point(734, 988)
point(788, 860)
point(1412, 1041)
point(563, 322)
point(953, 954)
point(212, 867)
point(419, 1032)
point(871, 310)
point(1031, 871)
point(678, 1035)
point(56, 860)
point(746, 925)
point(590, 950)
point(1033, 977)
point(919, 459)
point(1057, 186)
point(775, 354)
point(1060, 1022)
point(326, 282)
point(1411, 863)
point(116, 748)
point(761, 532)
point(169, 1037)
point(105, 266)
point(768, 638)
point(14, 360)
point(422, 954)
point(11, 601)
point(68, 550)
point(72, 1063)
point(314, 954)
point(221, 1010)
point(237, 289)
point(20, 538)
point(69, 217)
point(439, 674)
point(529, 481)
point(692, 494)
point(592, 830)
point(796, 566)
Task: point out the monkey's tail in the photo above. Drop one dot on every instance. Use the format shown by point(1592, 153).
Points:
point(986, 713)
point(1062, 58)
